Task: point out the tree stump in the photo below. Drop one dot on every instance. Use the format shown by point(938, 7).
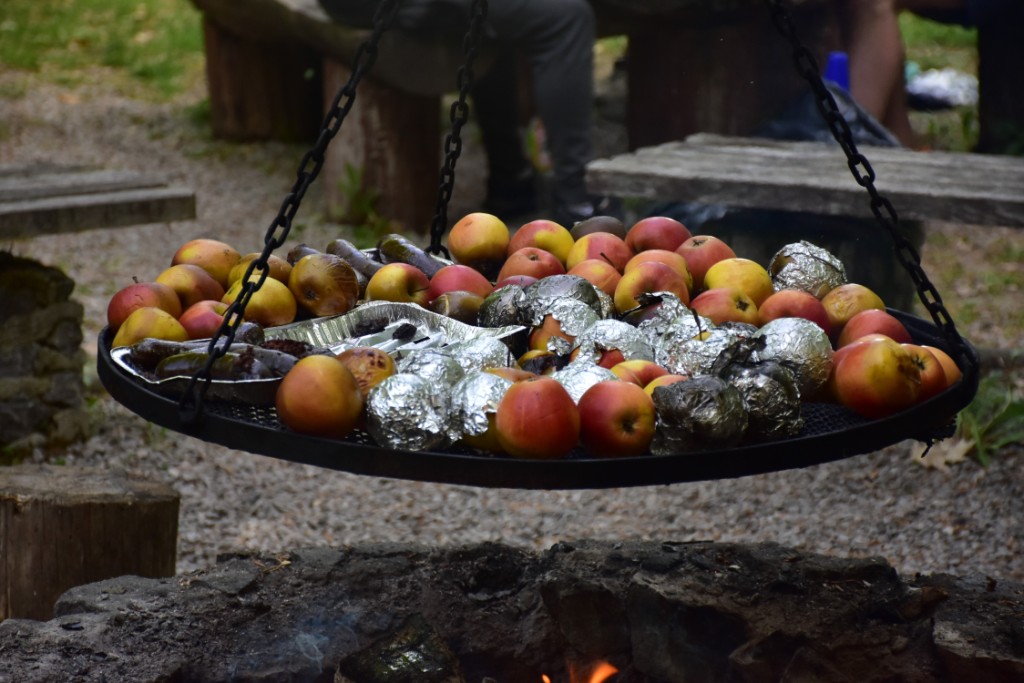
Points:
point(62, 527)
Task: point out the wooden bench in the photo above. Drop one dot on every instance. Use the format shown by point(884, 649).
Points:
point(272, 65)
point(37, 199)
point(810, 177)
point(786, 191)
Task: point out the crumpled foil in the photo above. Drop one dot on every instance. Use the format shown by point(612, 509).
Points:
point(772, 397)
point(504, 306)
point(476, 396)
point(573, 315)
point(679, 352)
point(802, 265)
point(408, 412)
point(673, 320)
point(579, 376)
point(437, 366)
point(605, 335)
point(700, 413)
point(543, 293)
point(800, 345)
point(480, 353)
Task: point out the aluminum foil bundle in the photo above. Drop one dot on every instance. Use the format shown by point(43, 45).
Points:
point(579, 376)
point(573, 316)
point(681, 353)
point(772, 398)
point(800, 345)
point(473, 399)
point(437, 366)
point(408, 412)
point(480, 353)
point(802, 265)
point(605, 335)
point(656, 312)
point(504, 306)
point(686, 325)
point(700, 413)
point(543, 293)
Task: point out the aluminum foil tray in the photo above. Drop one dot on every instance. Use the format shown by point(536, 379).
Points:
point(253, 392)
point(393, 327)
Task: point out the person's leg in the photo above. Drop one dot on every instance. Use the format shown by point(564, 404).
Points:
point(871, 34)
point(557, 38)
point(511, 184)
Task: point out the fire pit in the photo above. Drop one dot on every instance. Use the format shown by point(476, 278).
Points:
point(656, 612)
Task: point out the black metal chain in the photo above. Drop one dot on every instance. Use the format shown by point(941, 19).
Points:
point(459, 115)
point(190, 406)
point(862, 172)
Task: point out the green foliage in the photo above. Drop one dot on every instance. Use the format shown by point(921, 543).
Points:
point(155, 44)
point(994, 419)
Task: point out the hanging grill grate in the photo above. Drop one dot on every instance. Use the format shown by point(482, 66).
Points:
point(830, 432)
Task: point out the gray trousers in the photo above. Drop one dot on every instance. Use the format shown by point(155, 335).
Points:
point(556, 37)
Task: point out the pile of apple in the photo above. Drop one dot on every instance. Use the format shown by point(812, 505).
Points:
point(877, 369)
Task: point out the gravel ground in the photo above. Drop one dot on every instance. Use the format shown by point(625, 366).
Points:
point(962, 520)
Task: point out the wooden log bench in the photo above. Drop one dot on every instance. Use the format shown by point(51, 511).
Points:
point(807, 192)
point(39, 199)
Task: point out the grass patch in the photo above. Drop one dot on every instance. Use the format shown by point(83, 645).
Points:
point(153, 46)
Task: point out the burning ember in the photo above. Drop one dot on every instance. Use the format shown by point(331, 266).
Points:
point(598, 673)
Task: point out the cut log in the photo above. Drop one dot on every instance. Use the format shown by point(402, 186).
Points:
point(388, 150)
point(62, 527)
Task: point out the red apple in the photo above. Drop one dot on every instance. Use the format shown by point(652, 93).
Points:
point(320, 396)
point(203, 318)
point(846, 301)
point(141, 295)
point(543, 234)
point(933, 376)
point(638, 371)
point(873, 321)
point(533, 262)
point(649, 276)
point(399, 282)
point(599, 273)
point(458, 277)
point(600, 245)
point(149, 322)
point(794, 303)
point(616, 419)
point(701, 252)
point(215, 257)
point(750, 277)
point(479, 240)
point(669, 258)
point(953, 373)
point(877, 379)
point(656, 232)
point(725, 304)
point(191, 283)
point(537, 418)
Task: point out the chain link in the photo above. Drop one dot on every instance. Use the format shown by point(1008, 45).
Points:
point(864, 174)
point(190, 406)
point(458, 115)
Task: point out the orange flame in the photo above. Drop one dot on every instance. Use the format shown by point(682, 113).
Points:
point(600, 673)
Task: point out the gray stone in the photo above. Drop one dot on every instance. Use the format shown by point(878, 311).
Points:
point(660, 612)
